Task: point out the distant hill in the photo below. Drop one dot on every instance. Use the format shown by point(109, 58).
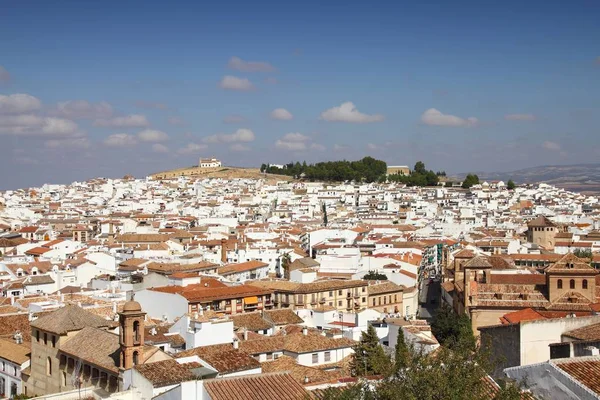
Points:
point(583, 178)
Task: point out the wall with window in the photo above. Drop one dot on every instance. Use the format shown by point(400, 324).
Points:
point(10, 378)
point(320, 357)
point(562, 284)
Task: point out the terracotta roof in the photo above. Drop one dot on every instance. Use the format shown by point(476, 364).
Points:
point(223, 357)
point(165, 373)
point(276, 386)
point(204, 294)
point(316, 374)
point(384, 287)
point(586, 370)
point(252, 321)
point(9, 324)
point(284, 316)
point(13, 352)
point(518, 279)
point(541, 222)
point(241, 267)
point(95, 346)
point(527, 314)
point(590, 332)
point(69, 318)
point(313, 287)
point(571, 264)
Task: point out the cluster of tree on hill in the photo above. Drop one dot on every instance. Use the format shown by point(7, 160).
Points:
point(457, 370)
point(367, 169)
point(420, 176)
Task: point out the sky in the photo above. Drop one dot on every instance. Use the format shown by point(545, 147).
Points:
point(105, 89)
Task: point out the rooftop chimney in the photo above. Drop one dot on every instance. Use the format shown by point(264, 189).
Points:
point(236, 344)
point(200, 310)
point(195, 315)
point(305, 331)
point(245, 334)
point(19, 337)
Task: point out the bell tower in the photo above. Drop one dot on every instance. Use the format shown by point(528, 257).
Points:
point(131, 335)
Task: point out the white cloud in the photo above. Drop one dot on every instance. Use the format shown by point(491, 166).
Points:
point(520, 117)
point(239, 147)
point(234, 119)
point(295, 137)
point(120, 140)
point(192, 148)
point(18, 103)
point(234, 83)
point(373, 147)
point(159, 148)
point(33, 125)
point(151, 135)
point(281, 114)
point(553, 146)
point(241, 135)
point(340, 147)
point(347, 112)
point(435, 117)
point(76, 143)
point(59, 127)
point(4, 74)
point(127, 121)
point(177, 121)
point(249, 66)
point(290, 146)
point(83, 109)
point(317, 147)
point(297, 142)
point(151, 105)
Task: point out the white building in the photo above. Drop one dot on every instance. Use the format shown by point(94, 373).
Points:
point(13, 360)
point(209, 163)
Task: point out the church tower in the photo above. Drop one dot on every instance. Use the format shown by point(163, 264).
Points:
point(131, 334)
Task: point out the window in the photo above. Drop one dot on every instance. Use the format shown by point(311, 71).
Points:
point(135, 358)
point(315, 358)
point(374, 300)
point(364, 299)
point(327, 356)
point(269, 356)
point(339, 292)
point(395, 298)
point(339, 303)
point(364, 289)
point(46, 339)
point(48, 366)
point(572, 284)
point(53, 341)
point(136, 331)
point(331, 304)
point(584, 284)
point(559, 284)
point(37, 336)
point(330, 294)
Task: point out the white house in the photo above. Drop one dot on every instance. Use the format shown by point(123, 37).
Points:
point(13, 360)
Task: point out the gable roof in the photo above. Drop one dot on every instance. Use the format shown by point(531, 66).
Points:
point(95, 346)
point(571, 264)
point(275, 386)
point(69, 318)
point(166, 372)
point(13, 352)
point(223, 357)
point(541, 222)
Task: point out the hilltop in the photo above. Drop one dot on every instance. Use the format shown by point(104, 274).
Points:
point(584, 178)
point(221, 172)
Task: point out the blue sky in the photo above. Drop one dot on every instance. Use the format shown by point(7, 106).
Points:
point(114, 88)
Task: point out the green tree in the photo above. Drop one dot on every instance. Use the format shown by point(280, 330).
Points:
point(401, 352)
point(452, 330)
point(419, 167)
point(510, 185)
point(368, 357)
point(581, 253)
point(470, 180)
point(324, 207)
point(375, 276)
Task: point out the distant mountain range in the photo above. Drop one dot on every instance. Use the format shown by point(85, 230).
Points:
point(583, 178)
